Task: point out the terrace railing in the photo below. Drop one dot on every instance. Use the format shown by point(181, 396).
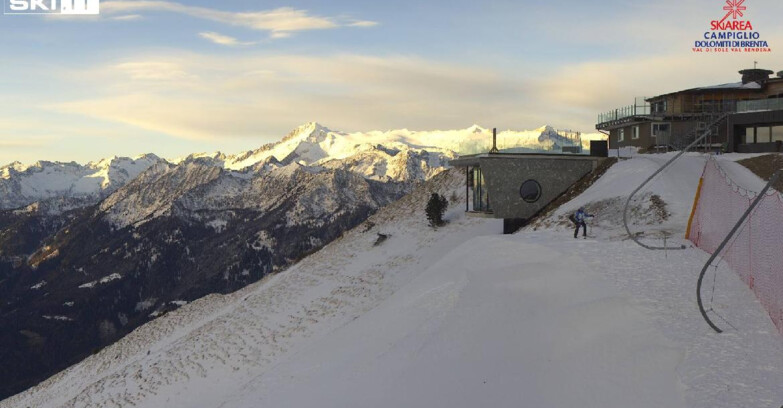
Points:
point(760, 105)
point(639, 108)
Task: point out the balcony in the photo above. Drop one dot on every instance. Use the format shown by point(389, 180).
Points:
point(640, 108)
point(760, 105)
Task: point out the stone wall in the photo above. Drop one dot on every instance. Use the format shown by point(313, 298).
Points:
point(506, 174)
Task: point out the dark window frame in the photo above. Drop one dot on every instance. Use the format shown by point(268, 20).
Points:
point(526, 196)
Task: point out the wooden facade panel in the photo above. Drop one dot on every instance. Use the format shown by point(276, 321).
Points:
point(645, 136)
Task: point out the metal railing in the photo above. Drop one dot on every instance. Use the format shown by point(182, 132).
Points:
point(698, 140)
point(760, 105)
point(689, 106)
point(624, 112)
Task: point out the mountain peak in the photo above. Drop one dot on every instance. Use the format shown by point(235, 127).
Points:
point(305, 131)
point(17, 165)
point(476, 129)
point(149, 156)
point(546, 129)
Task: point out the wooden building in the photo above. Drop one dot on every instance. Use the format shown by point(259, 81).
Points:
point(674, 120)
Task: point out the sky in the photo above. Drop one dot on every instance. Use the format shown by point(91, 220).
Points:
point(174, 78)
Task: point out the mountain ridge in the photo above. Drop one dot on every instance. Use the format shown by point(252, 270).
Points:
point(311, 144)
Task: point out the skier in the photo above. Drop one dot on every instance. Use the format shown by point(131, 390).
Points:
point(579, 220)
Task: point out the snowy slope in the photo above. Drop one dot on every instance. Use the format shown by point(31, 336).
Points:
point(606, 198)
point(464, 335)
point(458, 316)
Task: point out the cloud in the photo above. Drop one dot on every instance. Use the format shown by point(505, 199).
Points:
point(221, 39)
point(20, 144)
point(155, 71)
point(363, 24)
point(204, 97)
point(279, 34)
point(277, 21)
point(201, 97)
point(128, 17)
point(584, 90)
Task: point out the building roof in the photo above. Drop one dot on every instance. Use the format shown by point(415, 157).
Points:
point(734, 86)
point(752, 80)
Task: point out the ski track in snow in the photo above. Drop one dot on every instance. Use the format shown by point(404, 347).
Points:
point(405, 319)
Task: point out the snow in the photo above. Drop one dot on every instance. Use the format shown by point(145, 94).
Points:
point(217, 225)
point(110, 278)
point(264, 241)
point(102, 281)
point(740, 174)
point(146, 304)
point(38, 285)
point(58, 318)
point(459, 316)
point(313, 143)
point(462, 334)
point(734, 85)
point(46, 180)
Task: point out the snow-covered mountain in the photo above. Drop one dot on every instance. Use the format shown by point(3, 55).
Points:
point(395, 155)
point(63, 186)
point(457, 316)
point(314, 144)
point(22, 185)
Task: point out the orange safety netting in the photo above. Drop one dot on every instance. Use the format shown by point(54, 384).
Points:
point(756, 250)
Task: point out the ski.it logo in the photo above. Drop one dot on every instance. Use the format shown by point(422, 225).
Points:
point(73, 7)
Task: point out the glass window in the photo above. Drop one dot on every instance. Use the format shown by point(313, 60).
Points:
point(659, 129)
point(762, 135)
point(621, 135)
point(530, 191)
point(635, 132)
point(480, 192)
point(777, 133)
point(750, 135)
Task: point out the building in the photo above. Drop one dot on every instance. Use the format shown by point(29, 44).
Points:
point(757, 126)
point(743, 116)
point(517, 186)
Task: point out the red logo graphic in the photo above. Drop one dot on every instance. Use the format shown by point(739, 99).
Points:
point(734, 8)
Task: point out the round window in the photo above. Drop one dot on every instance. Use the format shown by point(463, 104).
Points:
point(530, 191)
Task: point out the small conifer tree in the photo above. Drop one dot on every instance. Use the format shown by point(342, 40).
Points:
point(436, 207)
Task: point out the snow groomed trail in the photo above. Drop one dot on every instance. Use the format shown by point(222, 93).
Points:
point(459, 317)
point(498, 322)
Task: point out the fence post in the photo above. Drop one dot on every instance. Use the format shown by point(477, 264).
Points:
point(695, 204)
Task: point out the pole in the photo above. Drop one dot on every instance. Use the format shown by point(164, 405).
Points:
point(494, 141)
point(723, 245)
point(467, 188)
point(649, 179)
